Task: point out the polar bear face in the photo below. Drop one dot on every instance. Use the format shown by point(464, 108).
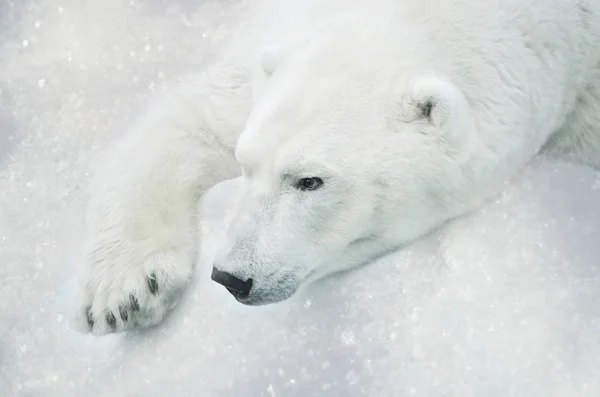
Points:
point(337, 171)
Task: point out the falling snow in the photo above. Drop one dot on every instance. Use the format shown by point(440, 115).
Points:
point(505, 302)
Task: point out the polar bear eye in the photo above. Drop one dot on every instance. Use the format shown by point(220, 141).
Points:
point(311, 183)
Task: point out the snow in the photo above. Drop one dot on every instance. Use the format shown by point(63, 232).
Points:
point(505, 302)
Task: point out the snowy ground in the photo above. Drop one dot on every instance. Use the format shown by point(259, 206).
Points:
point(505, 302)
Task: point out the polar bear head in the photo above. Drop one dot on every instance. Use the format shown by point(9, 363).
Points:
point(342, 161)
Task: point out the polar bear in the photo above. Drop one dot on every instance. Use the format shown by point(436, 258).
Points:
point(355, 126)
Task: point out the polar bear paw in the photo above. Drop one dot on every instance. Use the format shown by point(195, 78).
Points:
point(118, 298)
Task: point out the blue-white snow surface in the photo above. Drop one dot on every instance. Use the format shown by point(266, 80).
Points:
point(505, 302)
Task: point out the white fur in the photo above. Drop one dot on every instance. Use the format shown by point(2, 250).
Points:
point(340, 98)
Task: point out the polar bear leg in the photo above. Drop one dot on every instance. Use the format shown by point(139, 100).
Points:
point(141, 223)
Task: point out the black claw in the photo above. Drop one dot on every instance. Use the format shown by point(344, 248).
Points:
point(135, 305)
point(152, 283)
point(123, 313)
point(111, 320)
point(89, 317)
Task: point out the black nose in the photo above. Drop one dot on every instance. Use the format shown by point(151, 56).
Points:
point(238, 288)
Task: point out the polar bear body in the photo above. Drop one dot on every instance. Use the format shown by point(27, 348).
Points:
point(359, 126)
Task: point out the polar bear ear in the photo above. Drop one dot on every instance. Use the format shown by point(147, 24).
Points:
point(441, 104)
point(269, 60)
